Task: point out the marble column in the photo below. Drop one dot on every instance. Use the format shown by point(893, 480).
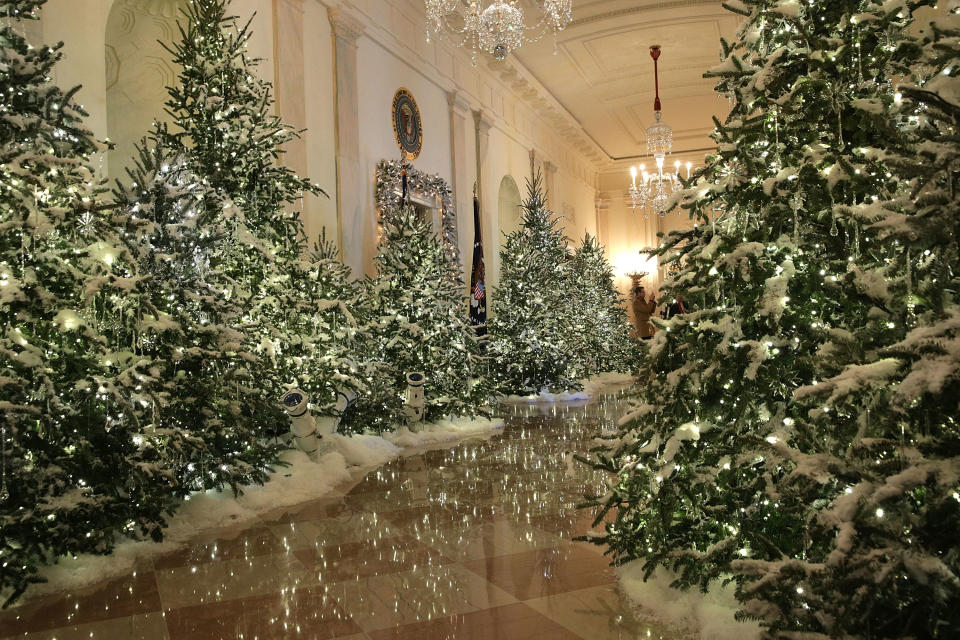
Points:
point(462, 186)
point(488, 220)
point(288, 73)
point(482, 126)
point(550, 186)
point(289, 87)
point(81, 26)
point(347, 30)
point(601, 206)
point(601, 231)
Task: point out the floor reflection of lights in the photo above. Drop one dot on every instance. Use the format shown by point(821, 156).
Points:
point(469, 542)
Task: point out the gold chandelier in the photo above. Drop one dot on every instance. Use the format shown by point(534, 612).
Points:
point(496, 27)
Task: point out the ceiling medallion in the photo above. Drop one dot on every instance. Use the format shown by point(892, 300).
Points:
point(495, 27)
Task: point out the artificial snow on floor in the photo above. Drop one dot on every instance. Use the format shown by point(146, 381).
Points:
point(591, 387)
point(343, 459)
point(706, 616)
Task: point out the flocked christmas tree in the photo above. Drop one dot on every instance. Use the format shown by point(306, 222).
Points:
point(531, 336)
point(72, 475)
point(417, 315)
point(599, 316)
point(722, 468)
point(225, 112)
point(328, 348)
point(206, 412)
point(299, 318)
point(884, 471)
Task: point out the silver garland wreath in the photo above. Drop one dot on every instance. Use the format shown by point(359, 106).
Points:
point(389, 178)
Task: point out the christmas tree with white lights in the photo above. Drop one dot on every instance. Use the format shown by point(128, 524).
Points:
point(601, 316)
point(416, 310)
point(72, 475)
point(733, 461)
point(225, 112)
point(208, 414)
point(532, 335)
point(332, 355)
point(880, 459)
point(299, 318)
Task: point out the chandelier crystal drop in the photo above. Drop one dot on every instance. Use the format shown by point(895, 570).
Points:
point(659, 137)
point(495, 27)
point(654, 189)
point(558, 14)
point(501, 29)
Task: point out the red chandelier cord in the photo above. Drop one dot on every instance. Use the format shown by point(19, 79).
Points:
point(655, 54)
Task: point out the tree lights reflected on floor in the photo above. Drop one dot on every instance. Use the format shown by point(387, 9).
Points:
point(468, 542)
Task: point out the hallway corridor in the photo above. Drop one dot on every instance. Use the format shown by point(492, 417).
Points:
point(468, 542)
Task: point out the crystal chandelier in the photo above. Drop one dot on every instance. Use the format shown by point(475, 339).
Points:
point(654, 189)
point(495, 27)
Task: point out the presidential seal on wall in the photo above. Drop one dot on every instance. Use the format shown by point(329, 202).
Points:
point(407, 126)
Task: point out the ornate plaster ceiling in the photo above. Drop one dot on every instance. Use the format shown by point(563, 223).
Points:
point(603, 75)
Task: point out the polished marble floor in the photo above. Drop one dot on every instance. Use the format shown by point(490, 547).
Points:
point(470, 542)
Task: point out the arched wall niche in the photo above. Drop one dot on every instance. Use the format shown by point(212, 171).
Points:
point(138, 72)
point(508, 208)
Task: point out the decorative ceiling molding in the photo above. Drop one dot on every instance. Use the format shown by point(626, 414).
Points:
point(656, 6)
point(396, 26)
point(513, 74)
point(601, 75)
point(586, 54)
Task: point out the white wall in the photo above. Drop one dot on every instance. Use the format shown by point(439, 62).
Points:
point(508, 207)
point(261, 39)
point(320, 137)
point(138, 71)
point(391, 53)
point(81, 25)
point(380, 75)
point(504, 156)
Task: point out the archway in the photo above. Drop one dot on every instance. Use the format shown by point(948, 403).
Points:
point(508, 208)
point(138, 72)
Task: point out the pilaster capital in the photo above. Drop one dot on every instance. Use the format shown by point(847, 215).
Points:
point(482, 122)
point(604, 198)
point(346, 26)
point(457, 102)
point(296, 5)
